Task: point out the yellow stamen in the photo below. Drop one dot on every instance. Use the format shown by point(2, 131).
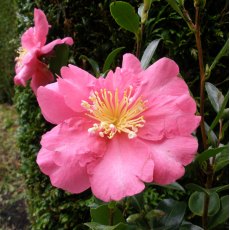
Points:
point(115, 115)
point(22, 52)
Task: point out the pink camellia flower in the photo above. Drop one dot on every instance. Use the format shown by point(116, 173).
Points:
point(28, 65)
point(116, 133)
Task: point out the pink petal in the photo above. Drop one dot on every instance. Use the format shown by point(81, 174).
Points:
point(27, 39)
point(71, 139)
point(169, 116)
point(122, 171)
point(156, 79)
point(23, 75)
point(70, 177)
point(41, 76)
point(41, 27)
point(50, 46)
point(35, 37)
point(175, 87)
point(170, 155)
point(76, 86)
point(131, 63)
point(52, 104)
point(159, 73)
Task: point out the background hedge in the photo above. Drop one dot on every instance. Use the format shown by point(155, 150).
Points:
point(96, 34)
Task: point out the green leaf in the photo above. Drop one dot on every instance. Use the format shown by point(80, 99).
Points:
point(215, 96)
point(189, 226)
point(212, 136)
point(220, 188)
point(102, 214)
point(174, 212)
point(148, 53)
point(110, 58)
point(210, 153)
point(97, 226)
point(174, 5)
point(133, 218)
point(125, 16)
point(93, 63)
point(60, 58)
point(196, 187)
point(223, 52)
point(222, 215)
point(174, 186)
point(196, 203)
point(219, 114)
point(222, 160)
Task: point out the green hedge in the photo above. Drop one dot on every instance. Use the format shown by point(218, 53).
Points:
point(8, 31)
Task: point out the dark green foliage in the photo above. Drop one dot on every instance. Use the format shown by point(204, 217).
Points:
point(8, 32)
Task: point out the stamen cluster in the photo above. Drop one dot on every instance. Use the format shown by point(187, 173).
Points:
point(114, 114)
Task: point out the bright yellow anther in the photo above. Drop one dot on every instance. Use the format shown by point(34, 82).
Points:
point(22, 52)
point(115, 114)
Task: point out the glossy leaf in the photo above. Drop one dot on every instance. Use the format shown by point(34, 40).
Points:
point(174, 212)
point(219, 114)
point(210, 153)
point(148, 53)
point(189, 226)
point(196, 187)
point(110, 59)
point(222, 159)
point(220, 188)
point(97, 226)
point(125, 16)
point(212, 136)
point(222, 215)
point(174, 186)
point(223, 52)
point(196, 203)
point(93, 64)
point(174, 5)
point(60, 58)
point(102, 214)
point(215, 96)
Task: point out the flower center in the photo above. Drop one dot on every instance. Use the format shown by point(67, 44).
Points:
point(22, 52)
point(115, 115)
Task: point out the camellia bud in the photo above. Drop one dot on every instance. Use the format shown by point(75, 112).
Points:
point(144, 15)
point(199, 3)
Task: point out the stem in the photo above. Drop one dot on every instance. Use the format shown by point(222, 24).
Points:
point(111, 216)
point(139, 40)
point(203, 134)
point(202, 76)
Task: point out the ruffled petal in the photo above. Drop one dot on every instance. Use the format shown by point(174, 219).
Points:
point(122, 171)
point(70, 177)
point(131, 63)
point(52, 104)
point(71, 139)
point(170, 156)
point(50, 46)
point(27, 39)
point(41, 76)
point(35, 37)
point(169, 116)
point(76, 86)
point(41, 27)
point(23, 75)
point(157, 78)
point(161, 72)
